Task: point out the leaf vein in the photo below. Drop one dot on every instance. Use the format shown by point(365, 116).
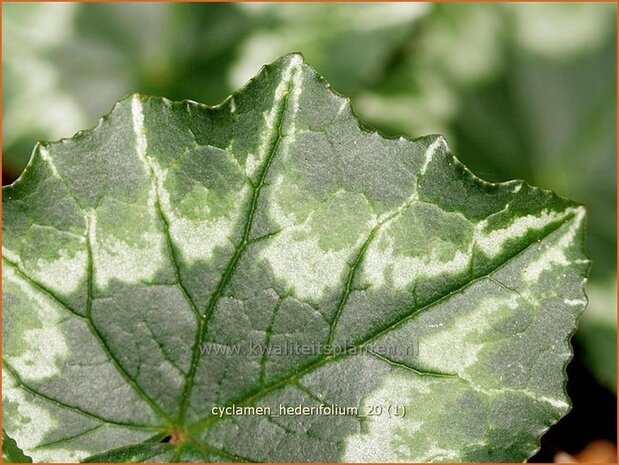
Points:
point(33, 391)
point(205, 422)
point(274, 140)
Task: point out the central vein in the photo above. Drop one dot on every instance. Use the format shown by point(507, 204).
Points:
point(272, 144)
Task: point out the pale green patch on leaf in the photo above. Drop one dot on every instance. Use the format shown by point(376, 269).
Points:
point(134, 250)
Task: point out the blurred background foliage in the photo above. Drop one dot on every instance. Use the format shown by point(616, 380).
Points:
point(520, 90)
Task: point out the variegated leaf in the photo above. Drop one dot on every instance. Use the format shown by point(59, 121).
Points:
point(145, 260)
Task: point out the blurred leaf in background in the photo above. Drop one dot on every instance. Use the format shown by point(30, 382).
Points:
point(597, 333)
point(353, 45)
point(520, 89)
point(11, 453)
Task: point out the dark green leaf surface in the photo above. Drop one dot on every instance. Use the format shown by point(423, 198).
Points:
point(140, 254)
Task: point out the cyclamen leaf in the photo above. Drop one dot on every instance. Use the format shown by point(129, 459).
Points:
point(138, 256)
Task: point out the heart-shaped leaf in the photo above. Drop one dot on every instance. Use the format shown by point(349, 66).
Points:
point(267, 280)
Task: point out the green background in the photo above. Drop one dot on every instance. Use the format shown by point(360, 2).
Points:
point(520, 91)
